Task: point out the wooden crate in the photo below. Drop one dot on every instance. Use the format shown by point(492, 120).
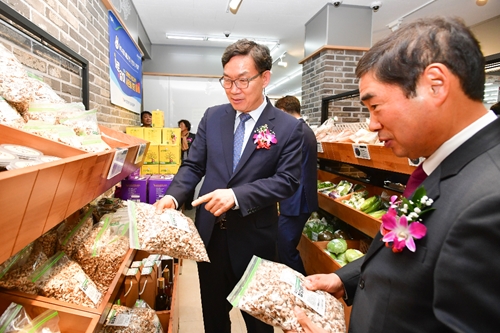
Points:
point(381, 157)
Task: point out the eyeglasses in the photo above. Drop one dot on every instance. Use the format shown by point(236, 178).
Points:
point(240, 83)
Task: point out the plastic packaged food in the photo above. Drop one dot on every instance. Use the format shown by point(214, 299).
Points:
point(6, 158)
point(20, 164)
point(22, 152)
point(48, 158)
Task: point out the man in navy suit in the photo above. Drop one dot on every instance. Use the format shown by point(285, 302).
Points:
point(236, 213)
point(295, 210)
point(424, 86)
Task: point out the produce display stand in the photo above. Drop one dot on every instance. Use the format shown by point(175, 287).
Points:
point(375, 157)
point(35, 199)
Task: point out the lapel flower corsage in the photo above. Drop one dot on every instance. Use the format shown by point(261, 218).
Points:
point(402, 223)
point(263, 137)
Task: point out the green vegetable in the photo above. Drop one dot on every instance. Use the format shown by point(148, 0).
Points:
point(341, 263)
point(371, 204)
point(342, 256)
point(378, 213)
point(337, 246)
point(353, 254)
point(333, 256)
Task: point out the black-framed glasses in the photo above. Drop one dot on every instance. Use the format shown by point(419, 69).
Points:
point(227, 83)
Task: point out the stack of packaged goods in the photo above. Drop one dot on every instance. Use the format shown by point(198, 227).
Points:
point(164, 154)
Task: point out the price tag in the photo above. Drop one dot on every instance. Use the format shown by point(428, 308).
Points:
point(415, 161)
point(320, 147)
point(140, 153)
point(118, 161)
point(361, 151)
point(121, 319)
point(89, 289)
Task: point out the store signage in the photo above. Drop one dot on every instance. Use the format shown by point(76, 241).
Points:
point(361, 151)
point(125, 67)
point(118, 161)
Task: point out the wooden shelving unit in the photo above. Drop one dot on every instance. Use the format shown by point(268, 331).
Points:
point(37, 198)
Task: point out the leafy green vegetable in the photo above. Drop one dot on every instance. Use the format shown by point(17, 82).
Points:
point(353, 254)
point(337, 246)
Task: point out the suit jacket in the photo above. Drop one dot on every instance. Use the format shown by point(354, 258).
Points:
point(305, 200)
point(261, 179)
point(450, 283)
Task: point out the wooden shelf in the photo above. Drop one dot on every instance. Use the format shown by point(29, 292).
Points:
point(381, 157)
point(35, 199)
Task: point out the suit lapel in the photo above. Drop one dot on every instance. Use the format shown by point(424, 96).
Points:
point(265, 118)
point(227, 136)
point(478, 144)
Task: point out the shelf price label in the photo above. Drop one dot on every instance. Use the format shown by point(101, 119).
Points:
point(320, 147)
point(361, 151)
point(118, 161)
point(140, 153)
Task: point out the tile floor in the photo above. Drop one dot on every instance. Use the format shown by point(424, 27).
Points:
point(190, 316)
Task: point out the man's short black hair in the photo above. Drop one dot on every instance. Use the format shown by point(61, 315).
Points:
point(146, 112)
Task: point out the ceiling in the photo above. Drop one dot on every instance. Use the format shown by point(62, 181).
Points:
point(284, 20)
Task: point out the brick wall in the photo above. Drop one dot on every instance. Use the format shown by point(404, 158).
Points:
point(329, 73)
point(82, 25)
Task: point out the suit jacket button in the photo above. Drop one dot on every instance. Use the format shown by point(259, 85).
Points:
point(361, 284)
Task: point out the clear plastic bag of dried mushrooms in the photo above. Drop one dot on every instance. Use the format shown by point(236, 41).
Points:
point(270, 291)
point(169, 233)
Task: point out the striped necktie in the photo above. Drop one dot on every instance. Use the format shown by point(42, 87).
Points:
point(239, 134)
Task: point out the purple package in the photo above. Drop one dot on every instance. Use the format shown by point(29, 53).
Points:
point(157, 187)
point(134, 189)
point(135, 174)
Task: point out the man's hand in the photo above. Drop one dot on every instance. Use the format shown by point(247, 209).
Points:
point(165, 202)
point(218, 201)
point(305, 323)
point(330, 283)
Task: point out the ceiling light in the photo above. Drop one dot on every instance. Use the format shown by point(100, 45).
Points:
point(481, 2)
point(282, 63)
point(234, 5)
point(286, 79)
point(224, 40)
point(184, 37)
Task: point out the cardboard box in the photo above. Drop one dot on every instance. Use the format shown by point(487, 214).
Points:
point(150, 169)
point(153, 135)
point(168, 169)
point(171, 136)
point(157, 187)
point(170, 154)
point(147, 286)
point(158, 118)
point(131, 287)
point(135, 189)
point(152, 155)
point(137, 132)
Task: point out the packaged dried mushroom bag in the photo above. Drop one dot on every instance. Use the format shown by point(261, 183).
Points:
point(101, 253)
point(14, 318)
point(13, 81)
point(46, 322)
point(63, 279)
point(270, 291)
point(170, 233)
point(141, 318)
point(17, 274)
point(71, 233)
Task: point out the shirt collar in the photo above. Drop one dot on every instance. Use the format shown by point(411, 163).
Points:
point(431, 163)
point(255, 114)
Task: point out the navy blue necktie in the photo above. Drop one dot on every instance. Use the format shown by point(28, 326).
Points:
point(416, 178)
point(239, 135)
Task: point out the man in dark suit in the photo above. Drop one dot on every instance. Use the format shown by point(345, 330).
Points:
point(237, 213)
point(423, 86)
point(295, 210)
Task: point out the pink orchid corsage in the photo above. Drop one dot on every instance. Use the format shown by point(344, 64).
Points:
point(401, 225)
point(263, 137)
